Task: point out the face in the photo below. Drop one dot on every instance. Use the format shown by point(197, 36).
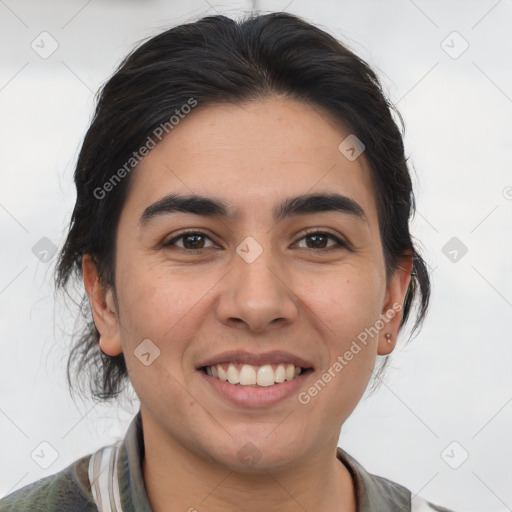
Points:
point(243, 285)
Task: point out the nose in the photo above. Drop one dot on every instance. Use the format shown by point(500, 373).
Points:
point(257, 295)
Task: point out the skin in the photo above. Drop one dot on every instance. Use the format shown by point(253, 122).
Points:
point(294, 296)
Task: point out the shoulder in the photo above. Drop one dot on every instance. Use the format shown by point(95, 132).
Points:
point(374, 492)
point(396, 493)
point(420, 505)
point(67, 490)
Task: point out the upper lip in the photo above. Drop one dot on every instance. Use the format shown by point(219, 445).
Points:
point(238, 356)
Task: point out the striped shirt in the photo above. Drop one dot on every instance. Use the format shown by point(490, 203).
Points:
point(111, 480)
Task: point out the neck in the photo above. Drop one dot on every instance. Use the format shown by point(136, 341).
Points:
point(175, 475)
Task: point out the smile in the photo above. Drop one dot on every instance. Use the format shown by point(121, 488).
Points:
point(251, 375)
point(249, 379)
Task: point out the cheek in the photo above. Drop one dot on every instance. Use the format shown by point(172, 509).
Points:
point(346, 311)
point(345, 302)
point(159, 303)
point(161, 306)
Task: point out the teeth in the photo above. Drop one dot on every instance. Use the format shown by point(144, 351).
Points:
point(249, 375)
point(280, 374)
point(223, 374)
point(265, 375)
point(233, 374)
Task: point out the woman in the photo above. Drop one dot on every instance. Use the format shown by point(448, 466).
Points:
point(241, 229)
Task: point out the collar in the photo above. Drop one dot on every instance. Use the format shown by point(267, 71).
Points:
point(372, 492)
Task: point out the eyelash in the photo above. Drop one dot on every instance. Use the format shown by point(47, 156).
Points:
point(340, 244)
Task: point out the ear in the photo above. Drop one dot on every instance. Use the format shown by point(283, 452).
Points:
point(103, 308)
point(393, 305)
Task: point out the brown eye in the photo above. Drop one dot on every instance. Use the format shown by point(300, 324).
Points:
point(191, 241)
point(319, 240)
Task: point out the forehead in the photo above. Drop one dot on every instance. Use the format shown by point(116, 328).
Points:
point(252, 154)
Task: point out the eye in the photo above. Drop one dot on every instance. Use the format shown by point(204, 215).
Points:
point(193, 241)
point(319, 240)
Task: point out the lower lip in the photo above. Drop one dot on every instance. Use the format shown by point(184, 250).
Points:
point(252, 396)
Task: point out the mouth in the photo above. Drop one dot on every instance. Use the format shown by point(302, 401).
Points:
point(265, 375)
point(251, 380)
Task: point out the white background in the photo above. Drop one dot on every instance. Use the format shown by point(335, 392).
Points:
point(453, 382)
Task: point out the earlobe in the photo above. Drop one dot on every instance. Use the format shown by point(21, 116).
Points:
point(111, 346)
point(388, 345)
point(103, 308)
point(393, 305)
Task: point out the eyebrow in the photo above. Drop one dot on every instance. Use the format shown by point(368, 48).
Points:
point(212, 207)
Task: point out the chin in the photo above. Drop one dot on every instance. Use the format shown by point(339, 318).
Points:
point(257, 453)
